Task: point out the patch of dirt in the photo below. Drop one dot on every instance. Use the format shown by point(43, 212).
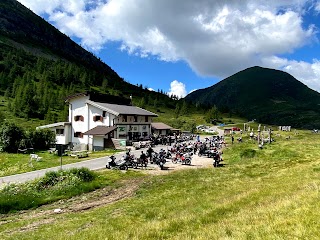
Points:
point(127, 190)
point(32, 226)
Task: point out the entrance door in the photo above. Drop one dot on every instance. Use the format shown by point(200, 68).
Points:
point(130, 135)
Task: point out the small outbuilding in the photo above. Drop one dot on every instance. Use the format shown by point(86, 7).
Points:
point(159, 128)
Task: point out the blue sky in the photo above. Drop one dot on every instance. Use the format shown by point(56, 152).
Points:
point(182, 45)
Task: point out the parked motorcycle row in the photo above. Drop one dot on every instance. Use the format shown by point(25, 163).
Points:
point(180, 152)
point(210, 148)
point(131, 161)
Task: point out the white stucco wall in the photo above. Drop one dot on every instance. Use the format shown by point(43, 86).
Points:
point(106, 121)
point(98, 141)
point(61, 139)
point(78, 107)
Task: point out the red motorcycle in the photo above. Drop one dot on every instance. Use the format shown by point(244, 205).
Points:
point(184, 158)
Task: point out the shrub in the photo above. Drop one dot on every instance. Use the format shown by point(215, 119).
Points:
point(54, 177)
point(10, 137)
point(84, 174)
point(42, 139)
point(50, 179)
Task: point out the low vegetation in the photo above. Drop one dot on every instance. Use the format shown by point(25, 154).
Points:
point(55, 185)
point(269, 193)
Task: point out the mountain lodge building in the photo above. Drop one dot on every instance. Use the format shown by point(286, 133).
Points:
point(95, 120)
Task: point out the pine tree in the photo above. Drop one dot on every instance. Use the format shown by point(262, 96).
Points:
point(177, 111)
point(184, 108)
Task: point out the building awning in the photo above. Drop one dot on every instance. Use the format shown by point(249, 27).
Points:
point(160, 126)
point(100, 130)
point(54, 125)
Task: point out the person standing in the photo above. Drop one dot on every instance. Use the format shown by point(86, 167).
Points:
point(198, 138)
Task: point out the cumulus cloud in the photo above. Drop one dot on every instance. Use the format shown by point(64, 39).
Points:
point(178, 89)
point(308, 73)
point(216, 38)
point(317, 6)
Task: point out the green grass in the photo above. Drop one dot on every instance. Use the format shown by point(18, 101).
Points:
point(272, 194)
point(19, 163)
point(54, 186)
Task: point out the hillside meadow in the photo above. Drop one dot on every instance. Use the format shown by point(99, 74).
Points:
point(271, 193)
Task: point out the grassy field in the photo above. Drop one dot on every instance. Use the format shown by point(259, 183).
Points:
point(20, 163)
point(271, 193)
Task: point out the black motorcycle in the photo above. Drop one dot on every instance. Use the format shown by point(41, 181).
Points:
point(216, 158)
point(113, 164)
point(161, 160)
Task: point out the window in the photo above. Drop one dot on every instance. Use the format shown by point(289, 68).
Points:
point(97, 118)
point(78, 134)
point(124, 118)
point(104, 114)
point(60, 132)
point(146, 119)
point(78, 118)
point(135, 118)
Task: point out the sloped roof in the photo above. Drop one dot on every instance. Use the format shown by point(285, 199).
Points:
point(160, 126)
point(122, 109)
point(58, 124)
point(100, 130)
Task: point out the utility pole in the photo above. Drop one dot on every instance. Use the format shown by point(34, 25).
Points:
point(259, 134)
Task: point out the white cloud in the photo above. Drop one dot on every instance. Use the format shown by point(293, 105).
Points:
point(307, 73)
point(317, 6)
point(193, 90)
point(178, 89)
point(150, 89)
point(216, 38)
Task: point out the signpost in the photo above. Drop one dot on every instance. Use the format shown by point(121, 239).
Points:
point(60, 148)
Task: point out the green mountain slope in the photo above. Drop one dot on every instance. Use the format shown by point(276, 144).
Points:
point(268, 95)
point(40, 66)
point(21, 28)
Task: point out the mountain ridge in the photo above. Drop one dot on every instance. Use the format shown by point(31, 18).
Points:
point(269, 95)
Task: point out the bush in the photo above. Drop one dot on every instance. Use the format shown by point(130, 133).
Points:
point(54, 177)
point(248, 153)
point(50, 179)
point(42, 139)
point(10, 137)
point(84, 174)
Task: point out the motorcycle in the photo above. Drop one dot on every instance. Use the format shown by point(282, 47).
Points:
point(159, 158)
point(183, 158)
point(130, 160)
point(113, 164)
point(216, 159)
point(160, 162)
